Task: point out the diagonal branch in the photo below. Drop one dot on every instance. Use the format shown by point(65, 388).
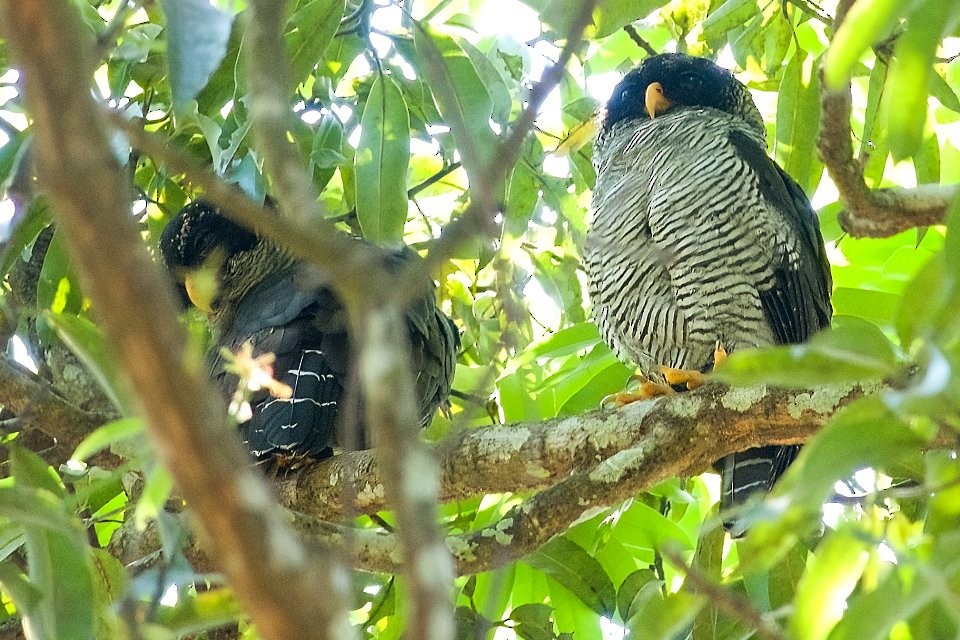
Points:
point(380, 338)
point(478, 219)
point(273, 573)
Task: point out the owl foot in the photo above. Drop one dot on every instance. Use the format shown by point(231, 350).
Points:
point(719, 354)
point(688, 378)
point(684, 378)
point(639, 389)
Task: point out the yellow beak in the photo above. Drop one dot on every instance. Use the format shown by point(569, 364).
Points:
point(201, 286)
point(655, 101)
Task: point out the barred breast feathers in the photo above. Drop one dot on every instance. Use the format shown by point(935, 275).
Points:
point(680, 268)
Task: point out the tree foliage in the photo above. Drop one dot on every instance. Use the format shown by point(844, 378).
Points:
point(463, 128)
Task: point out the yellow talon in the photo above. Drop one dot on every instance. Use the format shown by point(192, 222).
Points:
point(640, 389)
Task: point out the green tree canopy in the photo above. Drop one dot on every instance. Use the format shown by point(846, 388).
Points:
point(463, 128)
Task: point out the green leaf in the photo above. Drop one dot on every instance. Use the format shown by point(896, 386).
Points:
point(11, 154)
point(57, 557)
point(461, 96)
point(202, 611)
point(926, 161)
point(493, 82)
point(871, 615)
point(58, 288)
point(711, 623)
point(381, 163)
point(63, 574)
point(854, 350)
point(641, 526)
point(32, 471)
point(523, 193)
point(326, 152)
point(910, 75)
point(943, 92)
point(36, 218)
point(728, 16)
point(197, 36)
point(156, 490)
point(865, 24)
point(570, 565)
point(785, 576)
point(110, 580)
point(873, 145)
point(104, 436)
point(573, 618)
point(11, 539)
point(612, 15)
point(310, 30)
point(24, 594)
point(664, 617)
point(86, 341)
point(830, 577)
point(635, 590)
point(470, 624)
point(877, 307)
point(798, 121)
point(533, 621)
point(931, 301)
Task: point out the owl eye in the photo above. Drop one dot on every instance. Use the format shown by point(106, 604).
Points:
point(690, 81)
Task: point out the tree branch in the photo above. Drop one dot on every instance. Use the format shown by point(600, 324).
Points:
point(274, 575)
point(532, 456)
point(733, 604)
point(580, 465)
point(378, 335)
point(478, 219)
point(874, 213)
point(38, 407)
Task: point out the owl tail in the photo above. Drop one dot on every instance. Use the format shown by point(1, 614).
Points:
point(750, 473)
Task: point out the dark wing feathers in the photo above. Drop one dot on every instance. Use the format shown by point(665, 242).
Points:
point(292, 315)
point(305, 422)
point(798, 305)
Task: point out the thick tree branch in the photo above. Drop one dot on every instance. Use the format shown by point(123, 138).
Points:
point(410, 470)
point(579, 464)
point(273, 573)
point(534, 456)
point(678, 435)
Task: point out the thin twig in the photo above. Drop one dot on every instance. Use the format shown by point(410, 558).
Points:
point(435, 178)
point(478, 219)
point(639, 40)
point(733, 604)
